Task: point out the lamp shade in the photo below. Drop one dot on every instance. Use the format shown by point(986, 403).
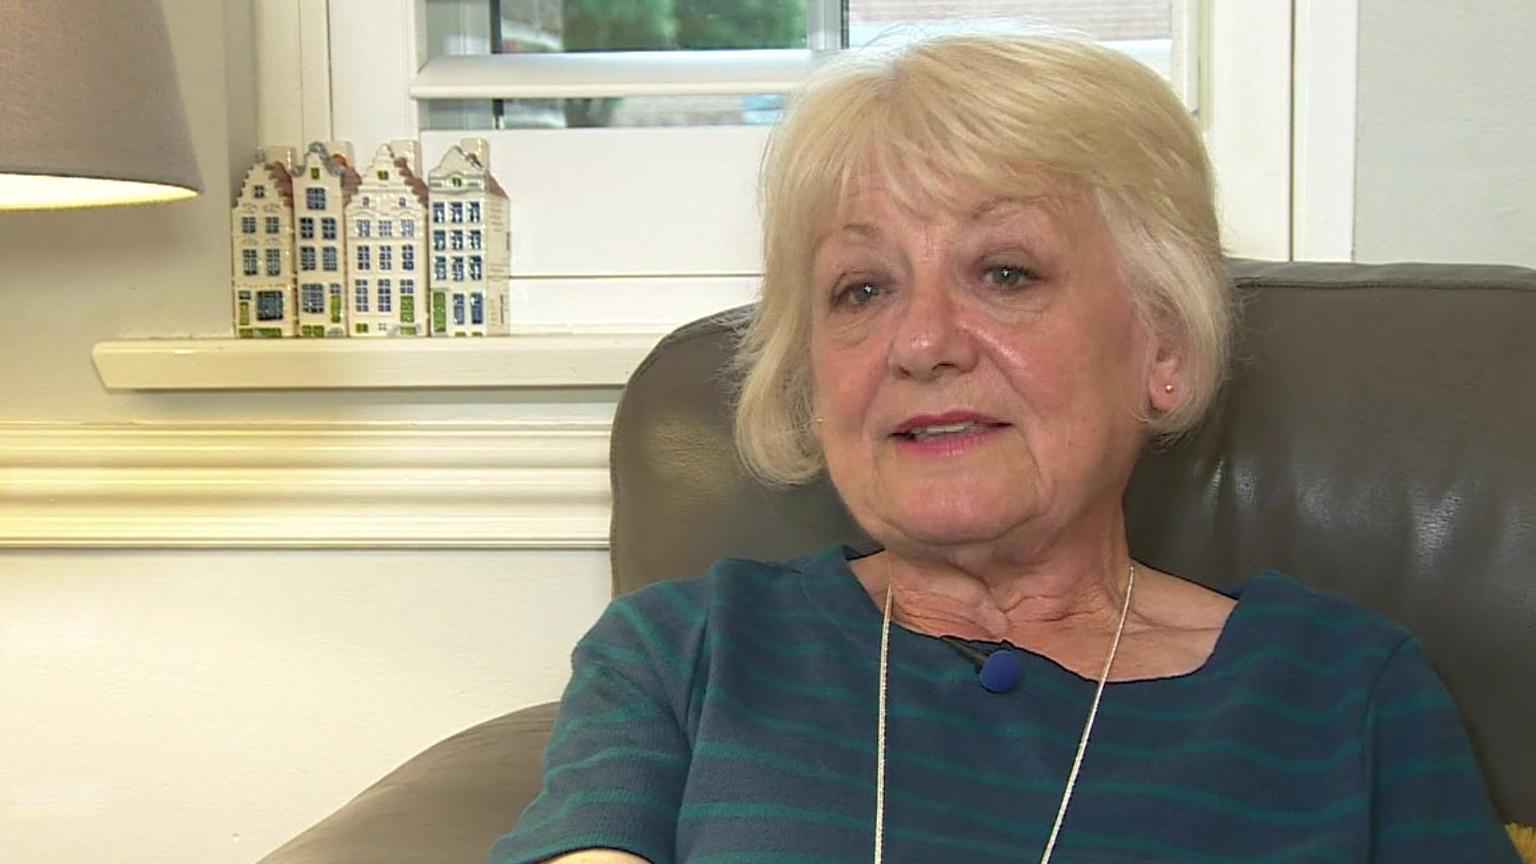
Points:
point(90, 109)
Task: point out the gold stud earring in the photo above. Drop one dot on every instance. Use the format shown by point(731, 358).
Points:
point(1167, 388)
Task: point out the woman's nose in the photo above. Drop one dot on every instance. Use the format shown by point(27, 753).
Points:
point(930, 338)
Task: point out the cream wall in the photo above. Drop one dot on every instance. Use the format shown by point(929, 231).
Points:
point(205, 706)
point(1446, 132)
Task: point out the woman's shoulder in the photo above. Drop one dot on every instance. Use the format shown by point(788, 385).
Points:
point(730, 587)
point(1313, 630)
point(1280, 602)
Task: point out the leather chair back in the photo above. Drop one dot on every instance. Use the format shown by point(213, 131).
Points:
point(1377, 439)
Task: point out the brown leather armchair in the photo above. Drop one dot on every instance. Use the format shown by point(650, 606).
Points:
point(1377, 439)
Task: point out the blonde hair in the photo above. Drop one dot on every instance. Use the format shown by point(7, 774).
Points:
point(1018, 116)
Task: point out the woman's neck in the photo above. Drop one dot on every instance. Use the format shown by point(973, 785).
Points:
point(987, 594)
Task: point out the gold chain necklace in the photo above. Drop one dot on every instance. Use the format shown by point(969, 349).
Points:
point(1082, 744)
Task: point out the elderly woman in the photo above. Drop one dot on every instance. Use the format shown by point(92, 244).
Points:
point(993, 276)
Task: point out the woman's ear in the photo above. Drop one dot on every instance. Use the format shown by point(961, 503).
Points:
point(1165, 376)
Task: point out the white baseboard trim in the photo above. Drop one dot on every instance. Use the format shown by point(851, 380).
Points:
point(320, 485)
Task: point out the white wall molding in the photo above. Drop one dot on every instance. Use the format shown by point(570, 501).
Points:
point(312, 485)
point(293, 71)
point(1245, 111)
point(1324, 104)
point(378, 41)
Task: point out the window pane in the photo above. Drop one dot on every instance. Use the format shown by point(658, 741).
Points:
point(1141, 28)
point(582, 26)
point(515, 26)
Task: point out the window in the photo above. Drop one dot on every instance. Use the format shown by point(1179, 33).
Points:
point(312, 299)
point(458, 309)
point(386, 228)
point(363, 226)
point(360, 295)
point(458, 240)
point(475, 270)
point(548, 47)
point(274, 262)
point(688, 214)
point(274, 225)
point(474, 211)
point(247, 224)
point(314, 173)
point(386, 302)
point(386, 258)
point(474, 239)
point(440, 269)
point(439, 240)
point(437, 213)
point(328, 228)
point(407, 287)
point(457, 209)
point(458, 269)
point(307, 228)
point(269, 306)
point(248, 262)
point(477, 308)
point(408, 258)
point(407, 226)
point(307, 258)
point(329, 257)
point(259, 191)
point(363, 256)
point(314, 197)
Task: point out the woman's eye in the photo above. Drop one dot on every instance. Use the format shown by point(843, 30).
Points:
point(858, 294)
point(1009, 276)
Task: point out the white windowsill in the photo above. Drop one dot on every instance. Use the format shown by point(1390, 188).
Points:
point(588, 358)
point(612, 73)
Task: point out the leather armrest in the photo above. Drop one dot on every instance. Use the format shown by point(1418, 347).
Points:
point(446, 805)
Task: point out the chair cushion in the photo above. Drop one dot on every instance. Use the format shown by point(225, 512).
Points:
point(445, 806)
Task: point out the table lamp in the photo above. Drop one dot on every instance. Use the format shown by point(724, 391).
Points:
point(90, 110)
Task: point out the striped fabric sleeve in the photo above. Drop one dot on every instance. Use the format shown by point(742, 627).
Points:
point(616, 761)
point(1429, 803)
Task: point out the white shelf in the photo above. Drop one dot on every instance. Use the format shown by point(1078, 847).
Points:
point(589, 358)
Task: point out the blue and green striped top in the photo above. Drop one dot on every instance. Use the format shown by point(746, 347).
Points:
point(731, 718)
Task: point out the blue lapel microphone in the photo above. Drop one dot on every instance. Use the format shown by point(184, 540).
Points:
point(998, 671)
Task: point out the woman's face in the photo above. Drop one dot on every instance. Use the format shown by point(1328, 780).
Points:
point(979, 374)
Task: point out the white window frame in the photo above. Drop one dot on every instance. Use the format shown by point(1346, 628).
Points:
point(1278, 125)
